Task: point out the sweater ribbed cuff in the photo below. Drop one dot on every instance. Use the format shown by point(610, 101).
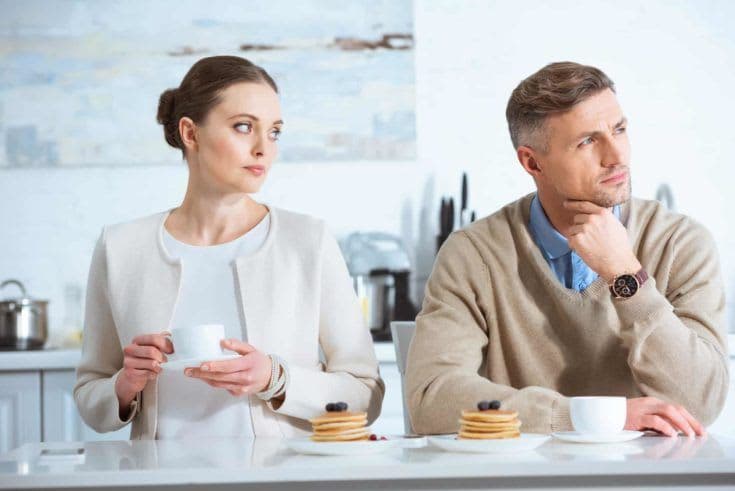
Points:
point(560, 419)
point(647, 302)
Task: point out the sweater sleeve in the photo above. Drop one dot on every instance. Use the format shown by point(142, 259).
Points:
point(349, 372)
point(102, 356)
point(677, 340)
point(447, 354)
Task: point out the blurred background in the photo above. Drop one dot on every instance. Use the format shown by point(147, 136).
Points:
point(386, 104)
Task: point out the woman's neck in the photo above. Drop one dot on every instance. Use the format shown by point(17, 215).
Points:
point(211, 218)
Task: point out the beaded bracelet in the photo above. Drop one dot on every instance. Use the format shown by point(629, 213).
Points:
point(279, 379)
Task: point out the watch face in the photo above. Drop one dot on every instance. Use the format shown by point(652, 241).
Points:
point(625, 286)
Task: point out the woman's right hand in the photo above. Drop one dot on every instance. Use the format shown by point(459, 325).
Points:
point(143, 358)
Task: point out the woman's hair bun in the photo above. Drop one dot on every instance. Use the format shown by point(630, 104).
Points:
point(165, 116)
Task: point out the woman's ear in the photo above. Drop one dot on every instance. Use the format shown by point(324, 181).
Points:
point(188, 132)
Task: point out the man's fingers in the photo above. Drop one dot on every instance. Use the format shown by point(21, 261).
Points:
point(677, 420)
point(657, 423)
point(583, 206)
point(696, 425)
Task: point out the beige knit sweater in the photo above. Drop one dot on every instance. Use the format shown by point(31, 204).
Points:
point(497, 324)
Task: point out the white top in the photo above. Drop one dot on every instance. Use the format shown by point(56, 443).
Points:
point(189, 407)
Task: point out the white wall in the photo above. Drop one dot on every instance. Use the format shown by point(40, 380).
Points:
point(672, 62)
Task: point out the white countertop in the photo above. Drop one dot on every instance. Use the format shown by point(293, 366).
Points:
point(68, 359)
point(246, 462)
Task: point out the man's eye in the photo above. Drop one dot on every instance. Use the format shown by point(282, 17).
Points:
point(620, 130)
point(244, 127)
point(586, 141)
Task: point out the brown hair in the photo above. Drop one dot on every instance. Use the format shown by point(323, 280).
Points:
point(555, 88)
point(200, 91)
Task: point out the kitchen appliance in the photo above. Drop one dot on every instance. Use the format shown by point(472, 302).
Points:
point(23, 321)
point(381, 273)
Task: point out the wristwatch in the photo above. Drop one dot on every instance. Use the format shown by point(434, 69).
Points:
point(626, 285)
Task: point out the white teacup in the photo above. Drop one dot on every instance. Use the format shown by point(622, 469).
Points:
point(598, 415)
point(198, 342)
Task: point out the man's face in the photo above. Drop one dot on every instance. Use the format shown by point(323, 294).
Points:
point(587, 154)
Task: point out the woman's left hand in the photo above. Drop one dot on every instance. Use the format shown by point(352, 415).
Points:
point(248, 374)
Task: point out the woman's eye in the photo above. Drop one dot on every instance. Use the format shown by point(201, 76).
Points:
point(620, 130)
point(275, 134)
point(244, 127)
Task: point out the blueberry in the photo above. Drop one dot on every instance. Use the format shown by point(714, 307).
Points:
point(341, 406)
point(483, 405)
point(494, 404)
point(330, 407)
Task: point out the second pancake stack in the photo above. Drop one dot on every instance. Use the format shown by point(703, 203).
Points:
point(489, 424)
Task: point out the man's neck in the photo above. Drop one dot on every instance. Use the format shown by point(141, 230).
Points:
point(561, 218)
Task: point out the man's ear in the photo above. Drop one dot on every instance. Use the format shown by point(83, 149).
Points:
point(527, 156)
point(188, 132)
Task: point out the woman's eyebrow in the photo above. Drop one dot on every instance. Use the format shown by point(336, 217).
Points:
point(254, 118)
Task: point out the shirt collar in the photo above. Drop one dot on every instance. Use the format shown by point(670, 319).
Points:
point(553, 244)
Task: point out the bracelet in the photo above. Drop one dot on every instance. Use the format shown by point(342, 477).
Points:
point(279, 379)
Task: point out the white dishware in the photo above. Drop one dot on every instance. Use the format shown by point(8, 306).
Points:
point(197, 344)
point(527, 441)
point(306, 446)
point(598, 415)
point(578, 437)
point(194, 362)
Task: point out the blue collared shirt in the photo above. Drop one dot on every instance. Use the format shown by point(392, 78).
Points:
point(568, 267)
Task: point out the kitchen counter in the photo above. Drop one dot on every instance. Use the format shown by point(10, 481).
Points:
point(65, 359)
point(268, 464)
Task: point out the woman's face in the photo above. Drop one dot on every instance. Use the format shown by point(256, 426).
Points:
point(237, 142)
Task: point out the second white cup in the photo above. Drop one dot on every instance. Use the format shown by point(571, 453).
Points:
point(598, 415)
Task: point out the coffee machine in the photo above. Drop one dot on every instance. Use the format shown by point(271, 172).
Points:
point(381, 274)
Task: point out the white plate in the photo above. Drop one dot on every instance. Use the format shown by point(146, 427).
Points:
point(527, 441)
point(175, 364)
point(577, 437)
point(365, 447)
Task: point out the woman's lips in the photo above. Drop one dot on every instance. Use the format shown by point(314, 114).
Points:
point(257, 170)
point(617, 178)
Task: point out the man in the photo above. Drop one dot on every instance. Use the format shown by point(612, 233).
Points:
point(576, 289)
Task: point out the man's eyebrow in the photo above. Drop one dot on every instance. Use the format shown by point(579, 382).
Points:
point(585, 134)
point(253, 117)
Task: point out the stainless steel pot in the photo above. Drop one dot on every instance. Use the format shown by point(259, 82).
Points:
point(23, 321)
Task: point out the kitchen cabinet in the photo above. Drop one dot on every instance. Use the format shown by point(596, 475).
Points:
point(61, 420)
point(20, 409)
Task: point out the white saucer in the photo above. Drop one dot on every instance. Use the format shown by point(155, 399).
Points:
point(364, 447)
point(577, 437)
point(176, 364)
point(527, 441)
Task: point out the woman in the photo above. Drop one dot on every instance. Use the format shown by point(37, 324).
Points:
point(274, 278)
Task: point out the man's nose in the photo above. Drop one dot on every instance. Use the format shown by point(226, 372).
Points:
point(615, 153)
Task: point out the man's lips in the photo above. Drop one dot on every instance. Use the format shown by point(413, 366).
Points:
point(616, 178)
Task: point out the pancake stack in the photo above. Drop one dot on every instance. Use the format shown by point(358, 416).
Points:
point(489, 422)
point(339, 425)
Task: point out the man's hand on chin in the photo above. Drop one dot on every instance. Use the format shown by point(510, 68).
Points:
point(599, 238)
